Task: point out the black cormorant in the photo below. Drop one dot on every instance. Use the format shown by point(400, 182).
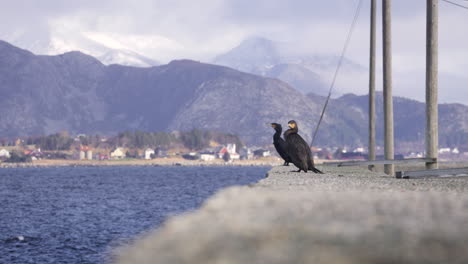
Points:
point(298, 149)
point(280, 144)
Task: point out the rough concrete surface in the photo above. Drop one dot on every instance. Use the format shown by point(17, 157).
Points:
point(348, 215)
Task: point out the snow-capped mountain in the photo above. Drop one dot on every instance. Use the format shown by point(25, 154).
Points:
point(107, 48)
point(127, 58)
point(254, 55)
point(305, 72)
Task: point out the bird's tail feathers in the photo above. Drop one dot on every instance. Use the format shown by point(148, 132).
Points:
point(315, 170)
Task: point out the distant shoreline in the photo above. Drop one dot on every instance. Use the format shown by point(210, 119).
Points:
point(169, 162)
point(175, 162)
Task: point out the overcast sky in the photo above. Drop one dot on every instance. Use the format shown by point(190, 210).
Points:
point(172, 29)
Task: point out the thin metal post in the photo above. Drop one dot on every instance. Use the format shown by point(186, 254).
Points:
point(387, 85)
point(371, 148)
point(432, 141)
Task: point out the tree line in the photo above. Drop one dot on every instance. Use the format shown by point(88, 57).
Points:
point(194, 139)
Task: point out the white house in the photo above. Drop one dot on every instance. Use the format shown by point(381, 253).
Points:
point(234, 156)
point(4, 153)
point(360, 149)
point(148, 153)
point(231, 148)
point(444, 150)
point(207, 156)
point(118, 153)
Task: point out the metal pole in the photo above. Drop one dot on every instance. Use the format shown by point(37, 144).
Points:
point(387, 85)
point(431, 82)
point(371, 149)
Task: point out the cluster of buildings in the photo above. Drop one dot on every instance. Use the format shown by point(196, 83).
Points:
point(86, 153)
point(33, 154)
point(226, 152)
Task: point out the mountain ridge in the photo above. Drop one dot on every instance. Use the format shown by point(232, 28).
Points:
point(76, 92)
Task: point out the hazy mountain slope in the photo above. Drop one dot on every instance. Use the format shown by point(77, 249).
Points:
point(305, 72)
point(75, 92)
point(245, 105)
point(349, 113)
point(39, 91)
point(298, 77)
point(254, 55)
point(186, 94)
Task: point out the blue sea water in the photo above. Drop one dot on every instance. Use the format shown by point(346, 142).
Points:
point(80, 214)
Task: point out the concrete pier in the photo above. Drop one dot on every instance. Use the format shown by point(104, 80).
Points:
point(348, 215)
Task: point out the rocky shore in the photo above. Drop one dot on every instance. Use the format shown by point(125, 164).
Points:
point(348, 215)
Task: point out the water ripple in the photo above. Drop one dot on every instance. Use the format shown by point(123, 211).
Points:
point(79, 214)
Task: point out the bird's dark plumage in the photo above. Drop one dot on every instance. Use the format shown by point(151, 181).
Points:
point(280, 144)
point(298, 149)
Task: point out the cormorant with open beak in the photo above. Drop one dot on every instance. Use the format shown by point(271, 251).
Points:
point(298, 149)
